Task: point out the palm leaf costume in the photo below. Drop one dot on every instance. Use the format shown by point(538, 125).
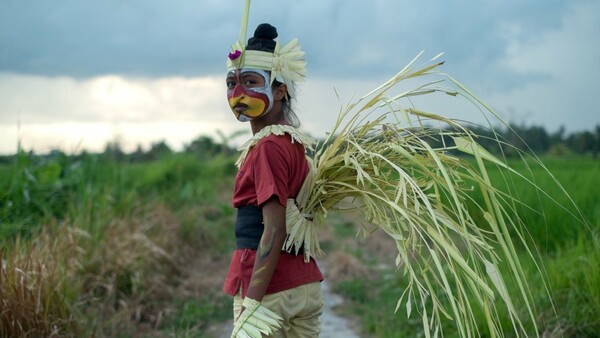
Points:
point(417, 184)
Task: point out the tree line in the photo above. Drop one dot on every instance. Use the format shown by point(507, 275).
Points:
point(541, 142)
point(529, 138)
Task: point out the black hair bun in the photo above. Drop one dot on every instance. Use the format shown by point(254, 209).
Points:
point(265, 31)
point(263, 39)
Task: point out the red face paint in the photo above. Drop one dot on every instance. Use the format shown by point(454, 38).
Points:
point(249, 93)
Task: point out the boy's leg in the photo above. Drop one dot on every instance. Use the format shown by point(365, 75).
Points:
point(307, 322)
point(300, 308)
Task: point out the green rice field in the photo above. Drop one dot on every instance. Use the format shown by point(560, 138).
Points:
point(97, 247)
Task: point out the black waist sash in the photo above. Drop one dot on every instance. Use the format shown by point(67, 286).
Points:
point(249, 227)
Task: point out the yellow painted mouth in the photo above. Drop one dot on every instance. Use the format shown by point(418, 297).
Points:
point(249, 106)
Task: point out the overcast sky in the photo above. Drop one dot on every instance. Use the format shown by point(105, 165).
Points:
point(75, 74)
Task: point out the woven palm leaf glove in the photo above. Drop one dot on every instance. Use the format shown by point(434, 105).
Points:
point(255, 321)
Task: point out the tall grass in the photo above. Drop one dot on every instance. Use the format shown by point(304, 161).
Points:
point(574, 275)
point(37, 291)
point(96, 247)
point(566, 204)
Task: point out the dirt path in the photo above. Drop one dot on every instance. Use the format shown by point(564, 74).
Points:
point(332, 325)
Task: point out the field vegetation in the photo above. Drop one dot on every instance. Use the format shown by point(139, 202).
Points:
point(93, 246)
point(563, 227)
point(123, 245)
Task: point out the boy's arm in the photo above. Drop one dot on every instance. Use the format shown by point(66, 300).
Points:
point(256, 320)
point(269, 248)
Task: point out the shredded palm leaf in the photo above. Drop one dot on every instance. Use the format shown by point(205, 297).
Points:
point(385, 162)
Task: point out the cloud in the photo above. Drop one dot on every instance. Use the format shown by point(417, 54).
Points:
point(73, 137)
point(568, 64)
point(79, 74)
point(90, 38)
point(344, 38)
point(64, 113)
point(111, 98)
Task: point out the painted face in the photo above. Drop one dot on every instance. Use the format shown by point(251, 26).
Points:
point(249, 93)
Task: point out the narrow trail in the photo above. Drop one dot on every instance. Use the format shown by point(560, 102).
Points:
point(332, 325)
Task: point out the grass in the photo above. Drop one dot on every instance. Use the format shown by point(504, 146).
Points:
point(216, 307)
point(554, 219)
point(567, 247)
point(573, 274)
point(96, 247)
point(36, 290)
point(93, 247)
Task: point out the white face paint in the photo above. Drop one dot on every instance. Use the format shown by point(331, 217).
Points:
point(249, 93)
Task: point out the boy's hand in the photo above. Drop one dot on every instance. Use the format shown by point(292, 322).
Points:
point(255, 320)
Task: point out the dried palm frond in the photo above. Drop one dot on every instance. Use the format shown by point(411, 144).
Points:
point(411, 181)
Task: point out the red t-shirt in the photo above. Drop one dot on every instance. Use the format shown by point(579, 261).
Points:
point(276, 166)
